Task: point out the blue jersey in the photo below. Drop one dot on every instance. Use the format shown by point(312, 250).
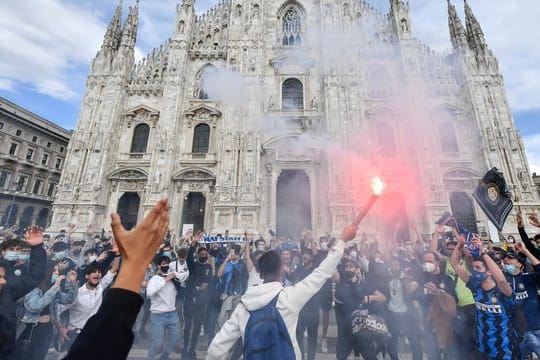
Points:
point(525, 285)
point(495, 334)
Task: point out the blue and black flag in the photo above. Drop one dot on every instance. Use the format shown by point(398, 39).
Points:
point(494, 198)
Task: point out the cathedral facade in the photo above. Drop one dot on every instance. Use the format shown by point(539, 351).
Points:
point(229, 116)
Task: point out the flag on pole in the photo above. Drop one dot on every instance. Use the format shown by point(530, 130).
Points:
point(494, 198)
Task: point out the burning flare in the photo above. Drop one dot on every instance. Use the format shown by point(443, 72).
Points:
point(377, 186)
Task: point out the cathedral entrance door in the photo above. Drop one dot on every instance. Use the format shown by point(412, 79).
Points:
point(194, 208)
point(293, 204)
point(128, 209)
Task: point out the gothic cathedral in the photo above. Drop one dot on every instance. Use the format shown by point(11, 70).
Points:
point(231, 118)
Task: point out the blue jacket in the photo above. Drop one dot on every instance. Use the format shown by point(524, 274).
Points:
point(35, 301)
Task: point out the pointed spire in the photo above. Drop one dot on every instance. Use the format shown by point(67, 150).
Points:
point(457, 31)
point(475, 35)
point(131, 25)
point(110, 40)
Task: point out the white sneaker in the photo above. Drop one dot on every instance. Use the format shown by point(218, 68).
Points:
point(324, 345)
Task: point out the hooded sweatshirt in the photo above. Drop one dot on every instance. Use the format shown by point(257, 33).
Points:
point(290, 301)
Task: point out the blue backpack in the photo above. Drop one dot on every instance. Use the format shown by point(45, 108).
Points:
point(266, 336)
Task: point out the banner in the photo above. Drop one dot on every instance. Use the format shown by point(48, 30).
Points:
point(494, 198)
point(222, 239)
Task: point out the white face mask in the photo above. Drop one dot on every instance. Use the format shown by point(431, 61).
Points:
point(428, 267)
point(261, 247)
point(354, 254)
point(324, 246)
point(92, 258)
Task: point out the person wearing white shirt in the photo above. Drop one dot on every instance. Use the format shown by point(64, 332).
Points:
point(87, 303)
point(180, 268)
point(163, 316)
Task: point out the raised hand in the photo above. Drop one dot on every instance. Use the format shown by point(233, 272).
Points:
point(34, 236)
point(72, 276)
point(71, 228)
point(89, 230)
point(349, 233)
point(59, 279)
point(519, 219)
point(139, 245)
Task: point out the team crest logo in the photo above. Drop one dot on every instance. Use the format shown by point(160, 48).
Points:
point(494, 299)
point(492, 193)
point(442, 286)
point(521, 286)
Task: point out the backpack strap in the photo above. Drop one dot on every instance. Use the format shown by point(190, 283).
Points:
point(271, 303)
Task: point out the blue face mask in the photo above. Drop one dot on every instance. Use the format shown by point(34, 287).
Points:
point(59, 255)
point(167, 254)
point(53, 278)
point(24, 257)
point(11, 256)
point(510, 269)
point(478, 277)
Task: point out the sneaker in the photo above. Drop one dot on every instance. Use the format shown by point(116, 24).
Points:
point(324, 345)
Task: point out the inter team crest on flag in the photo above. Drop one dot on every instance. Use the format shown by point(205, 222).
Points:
point(494, 198)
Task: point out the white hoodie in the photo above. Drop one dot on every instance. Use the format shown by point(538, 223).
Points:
point(290, 301)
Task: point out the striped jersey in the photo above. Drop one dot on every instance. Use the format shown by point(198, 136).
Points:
point(495, 334)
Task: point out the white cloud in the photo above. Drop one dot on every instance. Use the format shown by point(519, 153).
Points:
point(43, 42)
point(532, 148)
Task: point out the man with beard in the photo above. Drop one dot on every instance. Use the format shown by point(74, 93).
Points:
point(88, 301)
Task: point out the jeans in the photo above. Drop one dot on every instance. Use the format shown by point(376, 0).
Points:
point(403, 324)
point(161, 323)
point(310, 322)
point(531, 343)
point(195, 316)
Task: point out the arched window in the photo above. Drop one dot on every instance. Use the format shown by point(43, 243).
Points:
point(10, 215)
point(292, 27)
point(379, 82)
point(140, 138)
point(204, 82)
point(448, 137)
point(26, 219)
point(292, 95)
point(201, 139)
point(43, 218)
point(386, 139)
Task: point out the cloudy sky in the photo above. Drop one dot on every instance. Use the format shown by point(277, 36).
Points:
point(47, 45)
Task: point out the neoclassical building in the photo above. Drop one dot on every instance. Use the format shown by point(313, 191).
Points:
point(234, 118)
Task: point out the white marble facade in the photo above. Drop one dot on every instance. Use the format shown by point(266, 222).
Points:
point(252, 141)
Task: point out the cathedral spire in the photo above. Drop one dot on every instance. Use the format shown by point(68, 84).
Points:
point(111, 39)
point(400, 18)
point(475, 35)
point(457, 31)
point(185, 14)
point(131, 25)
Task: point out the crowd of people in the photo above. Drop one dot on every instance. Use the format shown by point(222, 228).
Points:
point(443, 298)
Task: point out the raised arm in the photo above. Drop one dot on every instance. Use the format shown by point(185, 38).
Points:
point(493, 268)
point(525, 237)
point(247, 257)
point(456, 257)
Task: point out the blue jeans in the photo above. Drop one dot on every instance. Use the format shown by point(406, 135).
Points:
point(161, 323)
point(531, 343)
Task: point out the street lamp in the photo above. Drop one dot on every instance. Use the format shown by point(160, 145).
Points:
point(18, 186)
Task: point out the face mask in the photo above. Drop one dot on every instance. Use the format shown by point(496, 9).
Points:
point(478, 277)
point(53, 278)
point(203, 259)
point(76, 251)
point(11, 256)
point(409, 248)
point(164, 269)
point(167, 254)
point(354, 254)
point(428, 267)
point(349, 275)
point(92, 258)
point(24, 257)
point(59, 255)
point(511, 269)
point(261, 247)
point(324, 246)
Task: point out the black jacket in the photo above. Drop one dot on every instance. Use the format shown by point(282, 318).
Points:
point(108, 334)
point(15, 289)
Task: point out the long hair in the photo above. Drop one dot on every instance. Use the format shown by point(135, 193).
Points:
point(45, 284)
